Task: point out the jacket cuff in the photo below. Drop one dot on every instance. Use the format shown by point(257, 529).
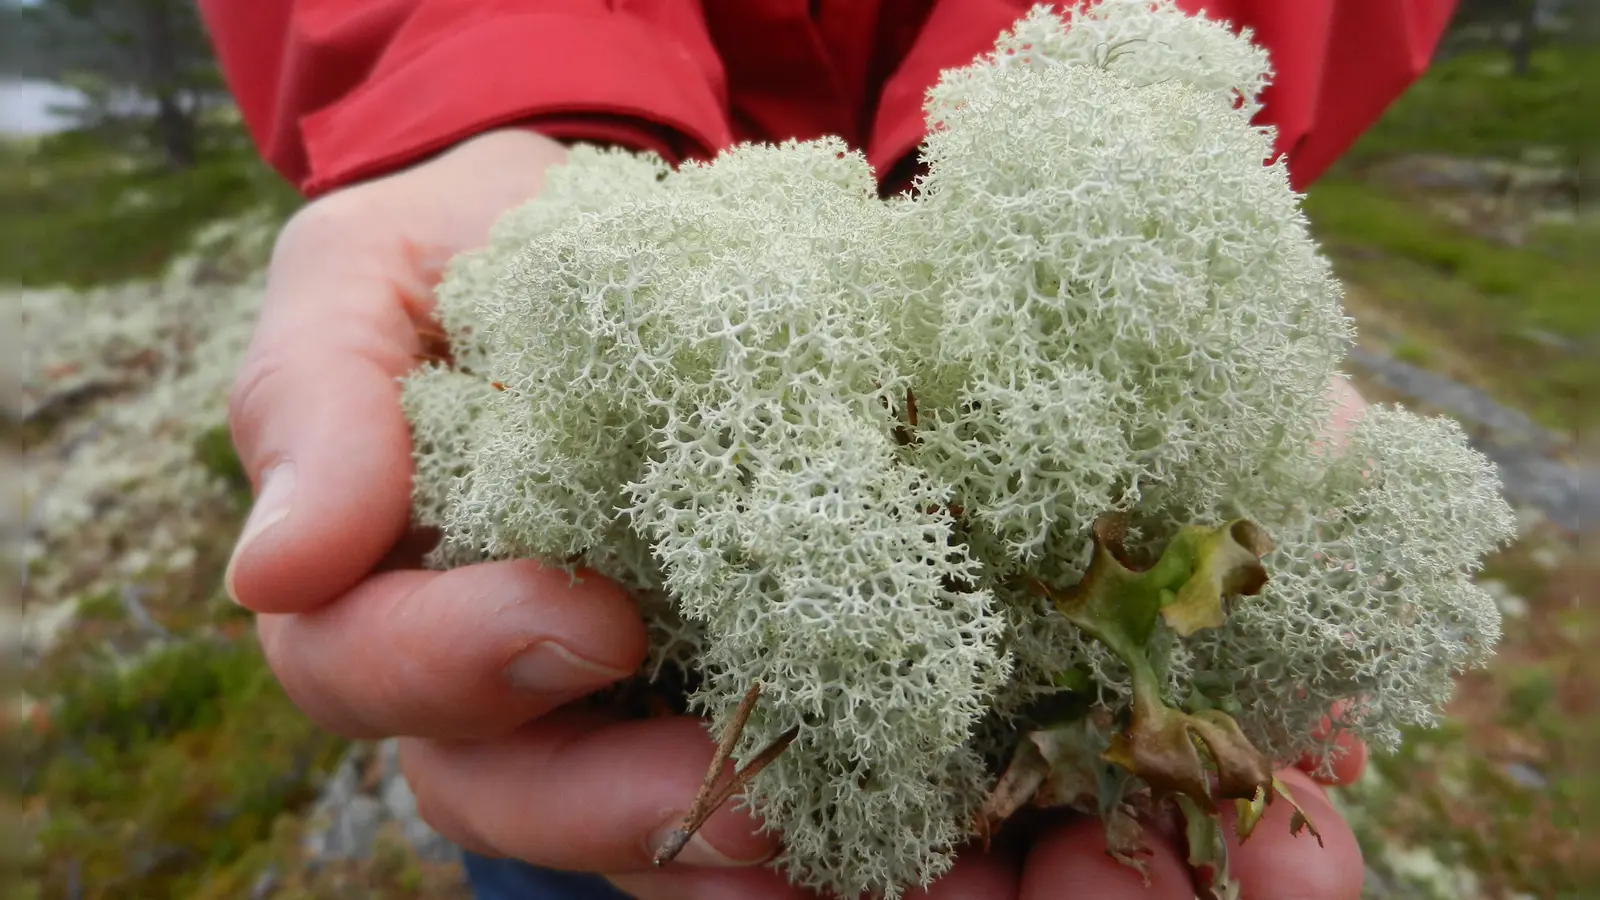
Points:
point(580, 72)
point(612, 131)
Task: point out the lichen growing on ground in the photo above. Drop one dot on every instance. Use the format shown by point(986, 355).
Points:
point(851, 439)
point(123, 422)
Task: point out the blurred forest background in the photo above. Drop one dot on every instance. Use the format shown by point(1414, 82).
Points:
point(151, 755)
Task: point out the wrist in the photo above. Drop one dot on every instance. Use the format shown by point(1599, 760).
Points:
point(636, 135)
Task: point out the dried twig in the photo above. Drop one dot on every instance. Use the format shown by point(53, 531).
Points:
point(709, 799)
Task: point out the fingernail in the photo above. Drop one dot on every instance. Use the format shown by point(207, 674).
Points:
point(699, 852)
point(549, 668)
point(271, 506)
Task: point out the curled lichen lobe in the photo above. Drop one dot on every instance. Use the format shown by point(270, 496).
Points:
point(1203, 754)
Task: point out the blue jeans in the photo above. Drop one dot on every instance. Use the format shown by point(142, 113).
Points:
point(509, 879)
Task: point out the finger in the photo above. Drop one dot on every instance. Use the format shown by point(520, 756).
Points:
point(1070, 862)
point(684, 883)
point(1277, 865)
point(975, 876)
point(1344, 763)
point(316, 417)
point(474, 651)
point(1348, 404)
point(572, 791)
point(980, 876)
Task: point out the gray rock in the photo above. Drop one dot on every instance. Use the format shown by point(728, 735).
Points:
point(1568, 495)
point(389, 759)
point(348, 815)
point(401, 806)
point(1441, 172)
point(1525, 775)
point(344, 823)
point(1470, 405)
point(345, 782)
point(348, 831)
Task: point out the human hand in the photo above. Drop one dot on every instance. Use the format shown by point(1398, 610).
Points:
point(475, 666)
point(496, 800)
point(1067, 858)
point(368, 648)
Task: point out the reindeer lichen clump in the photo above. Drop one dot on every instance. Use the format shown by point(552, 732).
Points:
point(915, 467)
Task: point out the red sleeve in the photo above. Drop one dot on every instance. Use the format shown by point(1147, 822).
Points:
point(1338, 63)
point(333, 91)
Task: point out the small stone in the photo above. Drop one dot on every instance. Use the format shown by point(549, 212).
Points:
point(345, 782)
point(1525, 775)
point(350, 832)
point(397, 798)
point(1545, 558)
point(401, 805)
point(266, 884)
point(1426, 877)
point(1529, 520)
point(344, 823)
point(182, 559)
point(389, 759)
point(1511, 605)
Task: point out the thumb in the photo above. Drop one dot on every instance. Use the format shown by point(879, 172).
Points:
point(316, 419)
point(316, 410)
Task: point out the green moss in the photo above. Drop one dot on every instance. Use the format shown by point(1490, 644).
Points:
point(1412, 351)
point(1497, 789)
point(1526, 314)
point(75, 213)
point(101, 607)
point(1552, 282)
point(216, 454)
point(1474, 106)
point(151, 777)
point(393, 873)
point(1472, 815)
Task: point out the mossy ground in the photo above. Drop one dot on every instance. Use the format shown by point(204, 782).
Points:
point(1473, 105)
point(73, 213)
point(154, 756)
point(1460, 234)
point(150, 752)
point(1489, 803)
point(1520, 321)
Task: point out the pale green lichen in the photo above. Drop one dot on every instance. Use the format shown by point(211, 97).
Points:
point(122, 387)
point(1100, 300)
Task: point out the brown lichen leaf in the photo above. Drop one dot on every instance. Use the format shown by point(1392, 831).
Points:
point(1017, 787)
point(1229, 564)
point(1051, 768)
point(1174, 751)
point(1163, 746)
point(1157, 748)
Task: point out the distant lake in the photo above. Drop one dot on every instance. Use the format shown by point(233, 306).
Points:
point(25, 106)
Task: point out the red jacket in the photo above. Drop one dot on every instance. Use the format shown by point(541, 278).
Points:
point(338, 90)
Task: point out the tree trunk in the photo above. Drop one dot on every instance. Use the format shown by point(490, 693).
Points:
point(175, 133)
point(1523, 42)
point(175, 127)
